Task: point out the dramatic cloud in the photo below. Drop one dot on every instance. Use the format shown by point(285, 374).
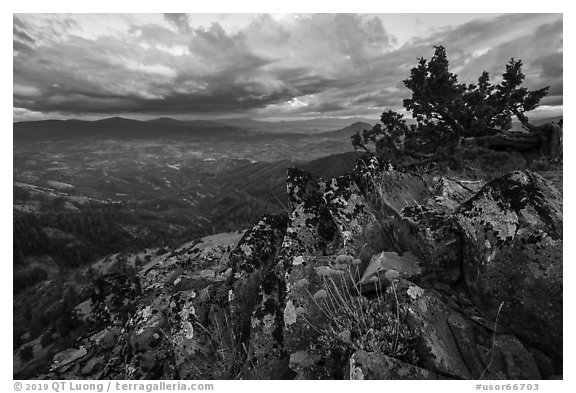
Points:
point(181, 21)
point(259, 66)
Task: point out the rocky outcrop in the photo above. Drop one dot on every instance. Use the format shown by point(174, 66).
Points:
point(113, 298)
point(253, 258)
point(513, 256)
point(378, 274)
point(430, 234)
point(448, 193)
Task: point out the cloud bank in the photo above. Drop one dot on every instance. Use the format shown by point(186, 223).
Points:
point(270, 66)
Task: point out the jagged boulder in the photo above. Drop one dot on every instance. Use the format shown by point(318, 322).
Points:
point(250, 260)
point(452, 345)
point(413, 219)
point(428, 316)
point(311, 229)
point(180, 335)
point(193, 262)
point(360, 230)
point(389, 186)
point(146, 349)
point(449, 193)
point(301, 313)
point(407, 265)
point(267, 358)
point(431, 235)
point(512, 258)
point(203, 345)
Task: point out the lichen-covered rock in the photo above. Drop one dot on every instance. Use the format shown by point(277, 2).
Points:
point(452, 344)
point(267, 358)
point(176, 326)
point(407, 265)
point(374, 365)
point(490, 352)
point(187, 263)
point(113, 299)
point(311, 230)
point(448, 194)
point(390, 187)
point(258, 245)
point(67, 356)
point(252, 258)
point(356, 222)
point(428, 316)
point(513, 256)
point(98, 355)
point(202, 343)
point(179, 335)
point(301, 313)
point(287, 299)
point(432, 237)
point(147, 349)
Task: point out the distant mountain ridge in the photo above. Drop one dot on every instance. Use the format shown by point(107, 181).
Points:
point(118, 127)
point(349, 130)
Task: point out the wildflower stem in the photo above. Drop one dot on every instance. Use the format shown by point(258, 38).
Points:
point(493, 341)
point(397, 317)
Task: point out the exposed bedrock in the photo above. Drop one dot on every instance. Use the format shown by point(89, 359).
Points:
point(378, 274)
point(512, 232)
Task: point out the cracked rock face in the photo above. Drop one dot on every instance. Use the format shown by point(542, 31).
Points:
point(512, 233)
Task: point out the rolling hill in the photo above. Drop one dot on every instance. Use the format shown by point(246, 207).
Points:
point(120, 128)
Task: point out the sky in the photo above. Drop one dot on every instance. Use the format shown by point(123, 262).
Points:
point(262, 66)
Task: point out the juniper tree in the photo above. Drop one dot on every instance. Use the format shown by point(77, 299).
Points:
point(449, 110)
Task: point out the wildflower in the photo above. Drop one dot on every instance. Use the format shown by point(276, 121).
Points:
point(321, 294)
